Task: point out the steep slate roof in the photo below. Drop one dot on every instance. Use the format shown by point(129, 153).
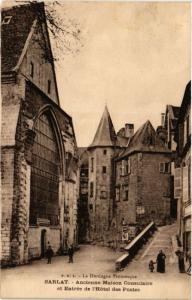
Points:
point(14, 34)
point(145, 140)
point(105, 134)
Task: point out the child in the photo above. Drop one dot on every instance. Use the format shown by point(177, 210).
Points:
point(151, 265)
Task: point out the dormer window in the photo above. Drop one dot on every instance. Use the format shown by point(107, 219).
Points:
point(6, 20)
point(49, 86)
point(31, 69)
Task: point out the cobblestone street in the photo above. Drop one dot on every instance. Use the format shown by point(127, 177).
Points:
point(30, 280)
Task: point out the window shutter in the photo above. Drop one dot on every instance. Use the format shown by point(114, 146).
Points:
point(177, 183)
point(122, 167)
point(129, 166)
point(185, 184)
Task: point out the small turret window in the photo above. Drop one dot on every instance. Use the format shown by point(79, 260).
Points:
point(6, 20)
point(31, 69)
point(92, 164)
point(91, 189)
point(49, 86)
point(104, 170)
point(104, 151)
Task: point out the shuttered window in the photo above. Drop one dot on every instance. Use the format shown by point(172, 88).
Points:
point(185, 184)
point(177, 183)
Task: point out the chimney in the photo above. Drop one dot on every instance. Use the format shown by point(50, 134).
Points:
point(129, 130)
point(162, 119)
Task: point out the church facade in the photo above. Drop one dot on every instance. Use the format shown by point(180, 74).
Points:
point(39, 159)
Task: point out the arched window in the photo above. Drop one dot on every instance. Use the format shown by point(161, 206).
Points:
point(45, 170)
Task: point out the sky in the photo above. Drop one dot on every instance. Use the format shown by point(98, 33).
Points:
point(135, 58)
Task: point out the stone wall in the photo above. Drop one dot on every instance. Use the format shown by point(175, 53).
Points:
point(7, 179)
point(154, 192)
point(100, 203)
point(52, 236)
point(148, 192)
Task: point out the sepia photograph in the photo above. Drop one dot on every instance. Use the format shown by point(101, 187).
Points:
point(95, 150)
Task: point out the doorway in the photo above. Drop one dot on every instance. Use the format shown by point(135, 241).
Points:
point(43, 242)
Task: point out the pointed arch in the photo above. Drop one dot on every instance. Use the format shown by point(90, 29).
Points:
point(47, 168)
point(48, 109)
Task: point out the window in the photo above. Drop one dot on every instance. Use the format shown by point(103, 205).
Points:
point(104, 151)
point(104, 170)
point(164, 167)
point(122, 168)
point(91, 189)
point(49, 86)
point(125, 167)
point(92, 164)
point(31, 69)
point(140, 210)
point(103, 194)
point(125, 193)
point(128, 167)
point(6, 20)
point(45, 170)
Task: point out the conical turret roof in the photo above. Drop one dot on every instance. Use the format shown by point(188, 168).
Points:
point(145, 140)
point(105, 135)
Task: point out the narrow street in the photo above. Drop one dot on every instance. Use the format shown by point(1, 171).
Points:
point(97, 261)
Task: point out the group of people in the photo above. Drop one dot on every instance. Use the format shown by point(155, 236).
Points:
point(160, 261)
point(50, 253)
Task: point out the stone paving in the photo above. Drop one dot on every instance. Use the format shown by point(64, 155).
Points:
point(29, 281)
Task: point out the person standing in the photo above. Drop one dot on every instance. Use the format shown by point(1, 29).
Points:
point(151, 266)
point(161, 262)
point(49, 254)
point(70, 253)
point(181, 263)
point(188, 258)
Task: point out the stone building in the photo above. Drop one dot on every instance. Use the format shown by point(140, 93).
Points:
point(166, 133)
point(183, 170)
point(101, 152)
point(129, 181)
point(142, 186)
point(83, 216)
point(38, 147)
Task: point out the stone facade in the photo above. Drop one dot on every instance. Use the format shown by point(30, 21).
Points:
point(37, 136)
point(129, 182)
point(142, 193)
point(183, 171)
point(100, 192)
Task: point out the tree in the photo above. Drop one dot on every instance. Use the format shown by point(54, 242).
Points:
point(65, 33)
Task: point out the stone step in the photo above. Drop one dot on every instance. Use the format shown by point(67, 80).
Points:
point(160, 241)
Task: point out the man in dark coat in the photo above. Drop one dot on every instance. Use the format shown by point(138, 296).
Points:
point(181, 262)
point(70, 253)
point(49, 254)
point(161, 262)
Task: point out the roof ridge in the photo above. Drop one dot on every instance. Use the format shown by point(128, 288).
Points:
point(145, 139)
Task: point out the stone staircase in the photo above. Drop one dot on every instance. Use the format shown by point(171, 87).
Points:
point(161, 240)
